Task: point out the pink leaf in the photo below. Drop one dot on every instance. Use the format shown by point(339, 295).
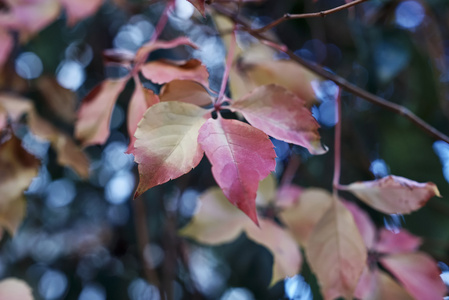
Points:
point(185, 91)
point(94, 115)
point(282, 115)
point(394, 194)
point(166, 144)
point(336, 252)
point(302, 217)
point(15, 289)
point(364, 224)
point(141, 100)
point(241, 156)
point(418, 273)
point(163, 71)
point(287, 259)
point(199, 5)
point(80, 9)
point(390, 242)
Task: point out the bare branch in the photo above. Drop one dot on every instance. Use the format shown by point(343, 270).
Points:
point(321, 14)
point(340, 81)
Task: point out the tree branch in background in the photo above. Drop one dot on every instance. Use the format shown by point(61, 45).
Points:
point(322, 14)
point(340, 81)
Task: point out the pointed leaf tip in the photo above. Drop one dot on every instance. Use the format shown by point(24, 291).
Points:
point(241, 156)
point(394, 194)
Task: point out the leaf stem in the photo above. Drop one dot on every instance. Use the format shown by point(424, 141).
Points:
point(340, 81)
point(322, 14)
point(337, 145)
point(162, 21)
point(228, 66)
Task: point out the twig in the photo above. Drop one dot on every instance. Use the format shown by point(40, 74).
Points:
point(340, 81)
point(322, 14)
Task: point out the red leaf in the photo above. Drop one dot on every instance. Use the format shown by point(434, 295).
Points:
point(199, 5)
point(400, 242)
point(94, 115)
point(185, 91)
point(241, 156)
point(364, 224)
point(163, 71)
point(418, 273)
point(336, 252)
point(282, 115)
point(141, 100)
point(287, 259)
point(166, 144)
point(394, 194)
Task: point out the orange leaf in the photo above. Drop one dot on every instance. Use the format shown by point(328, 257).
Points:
point(163, 71)
point(186, 91)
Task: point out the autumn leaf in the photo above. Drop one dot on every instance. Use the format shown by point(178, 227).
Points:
point(266, 192)
point(377, 285)
point(394, 194)
point(400, 242)
point(94, 115)
point(336, 252)
point(15, 289)
point(282, 115)
point(418, 273)
point(18, 169)
point(241, 156)
point(141, 100)
point(302, 217)
point(185, 91)
point(68, 153)
point(287, 196)
point(163, 71)
point(366, 227)
point(217, 222)
point(166, 144)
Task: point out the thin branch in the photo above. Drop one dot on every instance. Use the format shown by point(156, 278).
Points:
point(340, 81)
point(321, 14)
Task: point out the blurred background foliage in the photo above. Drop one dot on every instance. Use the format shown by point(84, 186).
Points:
point(79, 239)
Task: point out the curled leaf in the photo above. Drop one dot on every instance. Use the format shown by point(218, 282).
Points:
point(241, 156)
point(394, 194)
point(401, 242)
point(163, 71)
point(166, 144)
